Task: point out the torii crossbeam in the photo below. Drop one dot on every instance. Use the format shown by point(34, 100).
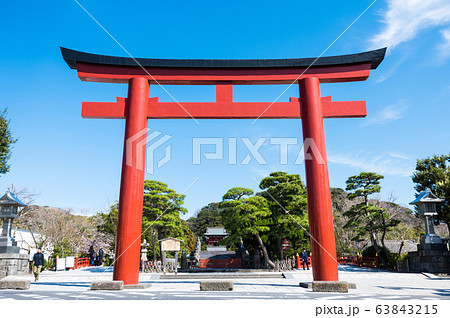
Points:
point(138, 107)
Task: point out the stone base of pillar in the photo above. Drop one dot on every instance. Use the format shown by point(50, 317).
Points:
point(329, 287)
point(14, 284)
point(9, 249)
point(309, 285)
point(107, 285)
point(216, 285)
point(431, 239)
point(13, 264)
point(432, 247)
point(428, 259)
point(138, 286)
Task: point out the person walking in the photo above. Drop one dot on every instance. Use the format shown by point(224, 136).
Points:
point(305, 259)
point(101, 255)
point(38, 262)
point(92, 255)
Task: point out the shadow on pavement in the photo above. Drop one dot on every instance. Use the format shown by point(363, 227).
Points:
point(436, 291)
point(98, 269)
point(350, 268)
point(68, 284)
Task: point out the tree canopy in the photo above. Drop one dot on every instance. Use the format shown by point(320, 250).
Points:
point(364, 218)
point(434, 173)
point(408, 229)
point(6, 142)
point(286, 196)
point(208, 216)
point(67, 233)
point(161, 216)
point(264, 219)
point(162, 208)
point(244, 216)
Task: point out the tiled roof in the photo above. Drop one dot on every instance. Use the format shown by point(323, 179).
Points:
point(216, 231)
point(426, 196)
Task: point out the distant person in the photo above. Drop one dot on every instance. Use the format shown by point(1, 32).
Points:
point(101, 256)
point(305, 259)
point(92, 255)
point(38, 263)
point(111, 259)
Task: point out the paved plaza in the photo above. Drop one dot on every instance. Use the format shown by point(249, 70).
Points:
point(371, 284)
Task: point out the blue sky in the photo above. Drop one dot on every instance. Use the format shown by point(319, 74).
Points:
point(75, 163)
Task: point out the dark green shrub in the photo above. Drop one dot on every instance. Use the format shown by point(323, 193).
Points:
point(106, 261)
point(50, 264)
point(370, 252)
point(392, 260)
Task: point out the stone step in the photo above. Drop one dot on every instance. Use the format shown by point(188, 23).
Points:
point(14, 284)
point(216, 285)
point(221, 276)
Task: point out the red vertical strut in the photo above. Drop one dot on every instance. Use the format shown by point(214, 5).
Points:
point(318, 186)
point(128, 239)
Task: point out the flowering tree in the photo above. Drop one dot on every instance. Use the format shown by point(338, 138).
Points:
point(71, 234)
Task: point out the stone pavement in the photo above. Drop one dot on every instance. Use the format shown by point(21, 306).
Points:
point(371, 284)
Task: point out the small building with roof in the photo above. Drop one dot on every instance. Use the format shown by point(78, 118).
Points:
point(212, 236)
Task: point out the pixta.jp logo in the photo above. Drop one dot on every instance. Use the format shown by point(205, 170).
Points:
point(146, 142)
point(136, 145)
point(308, 151)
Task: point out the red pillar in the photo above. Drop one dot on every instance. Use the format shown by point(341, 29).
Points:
point(320, 214)
point(128, 239)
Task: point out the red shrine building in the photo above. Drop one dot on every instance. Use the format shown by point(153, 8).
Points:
point(213, 235)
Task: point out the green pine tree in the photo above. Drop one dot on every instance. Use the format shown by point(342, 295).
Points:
point(6, 142)
point(434, 173)
point(286, 195)
point(244, 216)
point(364, 217)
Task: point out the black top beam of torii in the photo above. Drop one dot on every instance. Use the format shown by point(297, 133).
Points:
point(374, 57)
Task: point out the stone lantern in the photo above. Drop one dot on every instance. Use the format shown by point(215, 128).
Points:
point(426, 203)
point(9, 206)
point(432, 255)
point(144, 250)
point(12, 262)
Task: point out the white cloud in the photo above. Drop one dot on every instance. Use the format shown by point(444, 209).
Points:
point(382, 164)
point(388, 114)
point(404, 19)
point(444, 48)
point(399, 155)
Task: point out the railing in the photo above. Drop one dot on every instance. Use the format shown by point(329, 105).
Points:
point(285, 265)
point(348, 260)
point(157, 267)
point(372, 262)
point(82, 262)
point(299, 262)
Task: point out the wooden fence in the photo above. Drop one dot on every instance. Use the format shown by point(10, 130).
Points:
point(82, 262)
point(157, 267)
point(372, 262)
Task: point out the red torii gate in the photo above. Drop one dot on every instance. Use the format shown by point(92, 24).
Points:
point(310, 107)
